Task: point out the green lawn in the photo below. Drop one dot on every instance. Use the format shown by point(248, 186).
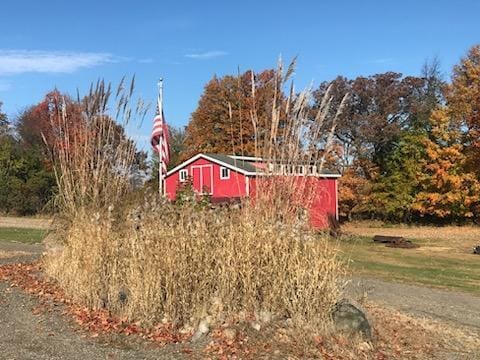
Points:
point(432, 264)
point(27, 236)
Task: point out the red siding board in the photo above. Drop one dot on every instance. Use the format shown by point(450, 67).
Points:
point(324, 203)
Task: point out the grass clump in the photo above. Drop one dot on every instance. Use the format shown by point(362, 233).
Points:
point(159, 261)
point(150, 261)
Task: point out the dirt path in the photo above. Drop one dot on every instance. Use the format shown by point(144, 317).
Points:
point(11, 253)
point(454, 307)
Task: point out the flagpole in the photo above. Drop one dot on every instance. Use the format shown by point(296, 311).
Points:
point(160, 152)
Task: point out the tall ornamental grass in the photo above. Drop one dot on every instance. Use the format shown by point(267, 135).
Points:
point(149, 260)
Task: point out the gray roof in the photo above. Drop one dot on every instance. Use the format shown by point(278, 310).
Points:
point(241, 164)
point(248, 167)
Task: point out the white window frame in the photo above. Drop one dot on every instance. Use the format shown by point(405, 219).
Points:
point(184, 177)
point(221, 173)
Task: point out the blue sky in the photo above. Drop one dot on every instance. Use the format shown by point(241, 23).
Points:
point(69, 44)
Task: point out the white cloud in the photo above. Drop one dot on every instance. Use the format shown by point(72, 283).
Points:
point(207, 54)
point(22, 61)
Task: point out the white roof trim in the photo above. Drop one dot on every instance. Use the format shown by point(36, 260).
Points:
point(246, 158)
point(308, 175)
point(219, 162)
point(198, 156)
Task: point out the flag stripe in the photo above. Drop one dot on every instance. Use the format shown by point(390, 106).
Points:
point(159, 141)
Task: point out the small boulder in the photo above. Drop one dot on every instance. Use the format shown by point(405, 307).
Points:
point(350, 318)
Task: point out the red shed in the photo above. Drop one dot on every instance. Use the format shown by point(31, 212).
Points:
point(229, 178)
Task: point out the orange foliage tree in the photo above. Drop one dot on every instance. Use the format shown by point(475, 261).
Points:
point(36, 124)
point(448, 190)
point(352, 192)
point(222, 121)
point(464, 103)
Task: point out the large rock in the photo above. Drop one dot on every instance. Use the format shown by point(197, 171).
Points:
point(350, 318)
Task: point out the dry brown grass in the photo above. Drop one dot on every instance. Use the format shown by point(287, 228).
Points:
point(94, 161)
point(184, 265)
point(451, 239)
point(297, 135)
point(152, 261)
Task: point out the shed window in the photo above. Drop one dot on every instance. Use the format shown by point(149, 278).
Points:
point(183, 175)
point(224, 173)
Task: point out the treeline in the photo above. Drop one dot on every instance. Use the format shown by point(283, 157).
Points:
point(408, 147)
point(26, 175)
point(27, 143)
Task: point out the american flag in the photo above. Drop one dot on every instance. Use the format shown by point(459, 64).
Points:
point(159, 139)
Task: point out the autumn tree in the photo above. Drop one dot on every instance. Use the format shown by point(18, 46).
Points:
point(397, 184)
point(222, 122)
point(373, 119)
point(464, 103)
point(380, 135)
point(448, 190)
point(27, 182)
point(352, 191)
point(39, 126)
point(36, 125)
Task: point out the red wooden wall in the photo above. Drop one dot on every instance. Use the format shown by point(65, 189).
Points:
point(321, 192)
point(233, 187)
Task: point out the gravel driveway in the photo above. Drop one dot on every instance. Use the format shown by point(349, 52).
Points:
point(445, 305)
